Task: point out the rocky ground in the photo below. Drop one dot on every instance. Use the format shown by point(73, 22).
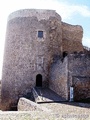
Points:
point(68, 110)
point(57, 111)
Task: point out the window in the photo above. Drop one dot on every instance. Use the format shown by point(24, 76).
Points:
point(40, 34)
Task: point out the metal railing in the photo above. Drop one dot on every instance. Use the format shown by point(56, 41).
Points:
point(36, 96)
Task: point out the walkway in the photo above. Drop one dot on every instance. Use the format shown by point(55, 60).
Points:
point(48, 95)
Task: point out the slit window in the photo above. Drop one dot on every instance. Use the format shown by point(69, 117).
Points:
point(40, 34)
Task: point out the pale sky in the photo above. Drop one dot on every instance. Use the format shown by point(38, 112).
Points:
point(75, 12)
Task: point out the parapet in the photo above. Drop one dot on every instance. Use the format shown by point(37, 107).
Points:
point(39, 13)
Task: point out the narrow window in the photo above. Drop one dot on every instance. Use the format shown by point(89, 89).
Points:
point(40, 34)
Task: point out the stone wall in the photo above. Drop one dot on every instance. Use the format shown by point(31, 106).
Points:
point(58, 81)
point(79, 75)
point(27, 55)
point(72, 38)
point(39, 13)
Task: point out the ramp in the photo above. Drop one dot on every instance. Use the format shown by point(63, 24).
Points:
point(46, 95)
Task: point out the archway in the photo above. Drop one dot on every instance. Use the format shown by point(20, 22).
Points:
point(39, 80)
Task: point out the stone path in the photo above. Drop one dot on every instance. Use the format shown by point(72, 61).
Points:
point(48, 95)
point(59, 111)
point(69, 111)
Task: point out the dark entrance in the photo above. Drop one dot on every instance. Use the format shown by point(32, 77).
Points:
point(39, 80)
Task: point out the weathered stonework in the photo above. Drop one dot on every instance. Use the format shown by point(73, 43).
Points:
point(27, 105)
point(72, 38)
point(29, 56)
point(59, 78)
point(79, 75)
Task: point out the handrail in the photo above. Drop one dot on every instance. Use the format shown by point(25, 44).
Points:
point(37, 97)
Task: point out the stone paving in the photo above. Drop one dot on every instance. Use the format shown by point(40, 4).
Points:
point(48, 95)
point(59, 111)
point(67, 110)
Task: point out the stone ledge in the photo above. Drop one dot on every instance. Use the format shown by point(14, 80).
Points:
point(27, 105)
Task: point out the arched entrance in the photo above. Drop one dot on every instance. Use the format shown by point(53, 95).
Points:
point(39, 80)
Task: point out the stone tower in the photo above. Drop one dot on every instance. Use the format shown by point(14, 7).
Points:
point(33, 38)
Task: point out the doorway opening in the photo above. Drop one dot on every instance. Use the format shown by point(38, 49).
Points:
point(39, 80)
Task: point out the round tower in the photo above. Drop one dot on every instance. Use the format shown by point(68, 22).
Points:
point(33, 38)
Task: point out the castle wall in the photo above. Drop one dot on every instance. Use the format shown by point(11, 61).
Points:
point(72, 38)
point(58, 81)
point(35, 42)
point(26, 54)
point(79, 75)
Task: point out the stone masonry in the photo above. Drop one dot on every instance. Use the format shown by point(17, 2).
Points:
point(37, 42)
point(72, 38)
point(79, 75)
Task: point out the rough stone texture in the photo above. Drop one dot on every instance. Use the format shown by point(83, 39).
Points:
point(27, 55)
point(39, 13)
point(27, 105)
point(72, 38)
point(59, 111)
point(58, 78)
point(79, 75)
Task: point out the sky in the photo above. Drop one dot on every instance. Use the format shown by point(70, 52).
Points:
point(76, 12)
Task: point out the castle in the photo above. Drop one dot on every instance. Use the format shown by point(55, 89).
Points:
point(42, 51)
